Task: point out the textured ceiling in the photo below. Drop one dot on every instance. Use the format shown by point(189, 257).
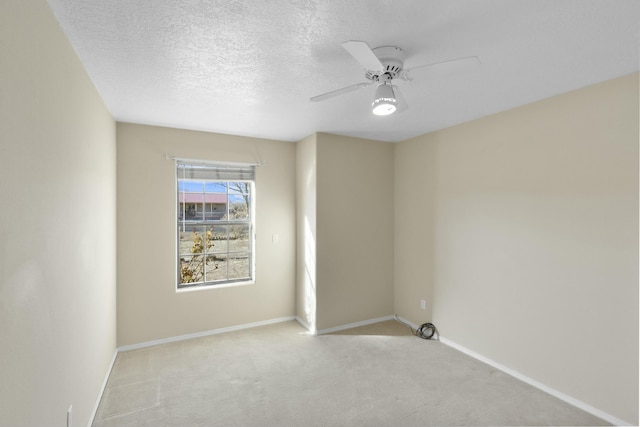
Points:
point(249, 67)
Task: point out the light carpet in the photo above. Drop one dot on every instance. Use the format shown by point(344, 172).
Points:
point(278, 375)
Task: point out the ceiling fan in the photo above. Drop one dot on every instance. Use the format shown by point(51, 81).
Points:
point(382, 66)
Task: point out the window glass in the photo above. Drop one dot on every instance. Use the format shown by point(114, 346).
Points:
point(215, 229)
point(215, 187)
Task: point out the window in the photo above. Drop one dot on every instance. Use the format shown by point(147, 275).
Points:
point(215, 224)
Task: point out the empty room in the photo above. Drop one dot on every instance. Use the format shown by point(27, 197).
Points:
point(319, 213)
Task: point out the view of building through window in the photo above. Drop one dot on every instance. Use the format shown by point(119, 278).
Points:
point(215, 231)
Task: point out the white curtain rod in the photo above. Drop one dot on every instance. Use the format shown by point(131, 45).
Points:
point(200, 161)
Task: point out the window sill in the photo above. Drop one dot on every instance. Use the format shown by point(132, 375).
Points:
point(210, 287)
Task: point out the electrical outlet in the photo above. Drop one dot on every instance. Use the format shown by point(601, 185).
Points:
point(423, 304)
point(275, 238)
point(69, 411)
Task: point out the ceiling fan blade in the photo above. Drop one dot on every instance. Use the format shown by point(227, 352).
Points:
point(441, 68)
point(363, 54)
point(339, 92)
point(402, 103)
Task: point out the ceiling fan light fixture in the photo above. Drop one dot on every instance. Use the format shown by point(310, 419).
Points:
point(384, 102)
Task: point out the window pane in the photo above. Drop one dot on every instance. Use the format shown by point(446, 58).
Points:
point(215, 212)
point(219, 235)
point(216, 269)
point(188, 211)
point(191, 269)
point(192, 240)
point(239, 266)
point(238, 207)
point(207, 236)
point(190, 186)
point(185, 240)
point(239, 236)
point(215, 187)
point(239, 187)
point(198, 240)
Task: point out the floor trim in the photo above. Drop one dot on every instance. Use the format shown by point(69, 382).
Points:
point(562, 396)
point(305, 325)
point(102, 388)
point(161, 341)
point(406, 322)
point(355, 325)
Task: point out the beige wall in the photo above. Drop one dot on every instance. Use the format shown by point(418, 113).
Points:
point(148, 306)
point(414, 236)
point(306, 232)
point(57, 225)
point(531, 222)
point(354, 245)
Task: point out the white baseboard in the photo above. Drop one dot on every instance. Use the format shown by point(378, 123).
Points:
point(104, 385)
point(406, 322)
point(204, 333)
point(305, 325)
point(355, 325)
point(562, 396)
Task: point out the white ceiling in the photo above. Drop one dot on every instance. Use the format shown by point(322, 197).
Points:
point(249, 67)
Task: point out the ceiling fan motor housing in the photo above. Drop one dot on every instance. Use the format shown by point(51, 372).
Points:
point(392, 59)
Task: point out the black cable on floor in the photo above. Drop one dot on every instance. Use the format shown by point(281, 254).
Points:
point(426, 331)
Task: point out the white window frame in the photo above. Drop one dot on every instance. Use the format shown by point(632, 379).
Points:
point(228, 173)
